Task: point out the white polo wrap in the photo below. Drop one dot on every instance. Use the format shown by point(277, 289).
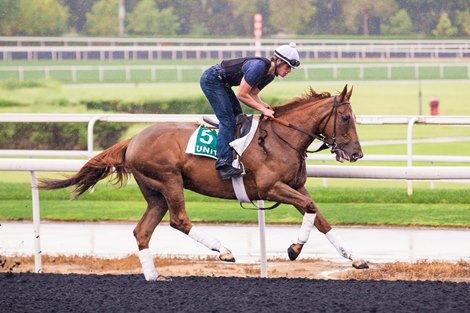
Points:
point(205, 239)
point(337, 242)
point(146, 259)
point(306, 228)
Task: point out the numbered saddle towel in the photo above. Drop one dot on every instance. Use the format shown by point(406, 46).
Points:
point(203, 142)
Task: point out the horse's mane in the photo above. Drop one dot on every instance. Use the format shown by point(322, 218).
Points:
point(310, 96)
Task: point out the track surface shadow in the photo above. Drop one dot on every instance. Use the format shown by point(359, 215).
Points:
point(28, 292)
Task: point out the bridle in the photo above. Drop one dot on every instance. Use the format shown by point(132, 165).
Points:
point(303, 154)
point(327, 143)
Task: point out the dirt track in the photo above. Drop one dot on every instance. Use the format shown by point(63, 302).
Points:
point(27, 292)
point(85, 284)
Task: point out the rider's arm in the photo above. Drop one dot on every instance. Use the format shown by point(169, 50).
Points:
point(250, 96)
point(255, 94)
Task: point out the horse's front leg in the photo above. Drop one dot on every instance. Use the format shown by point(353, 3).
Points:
point(283, 193)
point(324, 227)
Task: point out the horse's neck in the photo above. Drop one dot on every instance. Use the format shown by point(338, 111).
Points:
point(308, 116)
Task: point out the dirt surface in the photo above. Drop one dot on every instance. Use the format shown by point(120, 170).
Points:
point(27, 292)
point(212, 267)
point(85, 284)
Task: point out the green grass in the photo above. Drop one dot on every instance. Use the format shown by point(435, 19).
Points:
point(340, 205)
point(368, 98)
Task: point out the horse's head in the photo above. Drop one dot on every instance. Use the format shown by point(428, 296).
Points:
point(339, 128)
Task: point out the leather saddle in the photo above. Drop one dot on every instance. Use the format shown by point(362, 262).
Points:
point(243, 124)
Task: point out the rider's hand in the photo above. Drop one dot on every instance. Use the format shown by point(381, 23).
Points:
point(268, 112)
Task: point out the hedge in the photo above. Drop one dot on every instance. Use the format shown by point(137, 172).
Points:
point(58, 136)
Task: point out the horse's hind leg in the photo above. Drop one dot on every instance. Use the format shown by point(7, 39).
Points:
point(156, 209)
point(324, 227)
point(180, 221)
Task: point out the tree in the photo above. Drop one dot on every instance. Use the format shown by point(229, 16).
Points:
point(398, 24)
point(9, 17)
point(328, 18)
point(77, 10)
point(42, 18)
point(425, 14)
point(147, 19)
point(103, 19)
point(444, 26)
point(463, 21)
point(217, 17)
point(243, 13)
point(357, 14)
point(290, 17)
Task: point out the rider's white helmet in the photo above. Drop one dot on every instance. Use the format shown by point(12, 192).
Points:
point(289, 54)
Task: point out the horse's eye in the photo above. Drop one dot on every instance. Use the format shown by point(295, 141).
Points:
point(345, 118)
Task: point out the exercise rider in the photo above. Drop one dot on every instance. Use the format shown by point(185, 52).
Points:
point(251, 74)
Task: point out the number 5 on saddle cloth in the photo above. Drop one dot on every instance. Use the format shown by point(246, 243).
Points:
point(203, 142)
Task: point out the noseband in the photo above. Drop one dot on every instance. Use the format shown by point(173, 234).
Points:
point(326, 143)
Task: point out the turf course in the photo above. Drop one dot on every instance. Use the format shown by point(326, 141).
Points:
point(341, 205)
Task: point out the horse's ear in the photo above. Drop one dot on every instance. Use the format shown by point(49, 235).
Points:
point(343, 93)
point(348, 95)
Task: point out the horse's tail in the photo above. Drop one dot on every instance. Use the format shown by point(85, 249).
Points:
point(111, 160)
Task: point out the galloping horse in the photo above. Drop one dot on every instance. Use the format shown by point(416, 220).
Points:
point(275, 163)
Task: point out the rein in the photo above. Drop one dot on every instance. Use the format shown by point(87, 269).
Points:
point(326, 143)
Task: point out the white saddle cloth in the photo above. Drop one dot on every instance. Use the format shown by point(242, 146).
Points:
point(240, 145)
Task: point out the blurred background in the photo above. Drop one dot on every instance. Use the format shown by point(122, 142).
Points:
point(229, 18)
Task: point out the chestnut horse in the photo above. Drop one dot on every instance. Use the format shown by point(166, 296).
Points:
point(275, 163)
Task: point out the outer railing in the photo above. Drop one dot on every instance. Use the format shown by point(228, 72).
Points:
point(115, 41)
point(176, 52)
point(91, 119)
point(150, 73)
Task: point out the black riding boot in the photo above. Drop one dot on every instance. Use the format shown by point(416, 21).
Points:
point(227, 171)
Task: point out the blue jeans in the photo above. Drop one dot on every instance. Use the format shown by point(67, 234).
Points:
point(226, 107)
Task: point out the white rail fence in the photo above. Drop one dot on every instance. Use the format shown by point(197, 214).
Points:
point(58, 48)
point(117, 41)
point(370, 172)
point(91, 119)
point(153, 73)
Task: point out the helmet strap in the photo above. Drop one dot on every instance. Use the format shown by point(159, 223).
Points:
point(277, 64)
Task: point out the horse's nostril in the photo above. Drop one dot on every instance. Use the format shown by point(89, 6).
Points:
point(356, 156)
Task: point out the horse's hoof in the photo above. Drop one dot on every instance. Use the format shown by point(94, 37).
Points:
point(225, 255)
point(360, 264)
point(294, 250)
point(163, 278)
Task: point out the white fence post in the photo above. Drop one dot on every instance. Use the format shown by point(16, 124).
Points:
point(91, 125)
point(262, 240)
point(36, 223)
point(411, 123)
